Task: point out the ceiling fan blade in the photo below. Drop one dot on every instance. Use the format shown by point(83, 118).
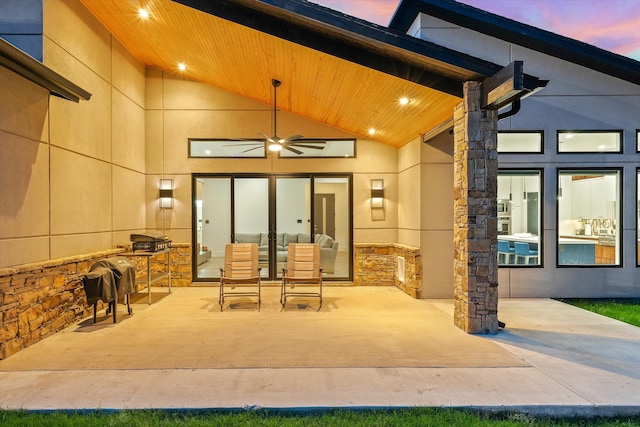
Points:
point(292, 138)
point(268, 138)
point(293, 150)
point(251, 149)
point(314, 141)
point(315, 147)
point(244, 144)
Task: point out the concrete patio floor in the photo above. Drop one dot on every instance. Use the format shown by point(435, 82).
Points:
point(367, 347)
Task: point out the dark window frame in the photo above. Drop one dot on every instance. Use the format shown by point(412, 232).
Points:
point(540, 132)
point(530, 172)
point(620, 132)
point(620, 211)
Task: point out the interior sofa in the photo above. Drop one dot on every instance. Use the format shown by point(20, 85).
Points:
point(328, 246)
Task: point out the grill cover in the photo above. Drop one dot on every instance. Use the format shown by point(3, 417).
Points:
point(99, 285)
point(124, 273)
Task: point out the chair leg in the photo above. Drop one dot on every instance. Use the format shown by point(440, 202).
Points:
point(259, 295)
point(221, 297)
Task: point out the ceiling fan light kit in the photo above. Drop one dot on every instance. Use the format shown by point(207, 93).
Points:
point(276, 143)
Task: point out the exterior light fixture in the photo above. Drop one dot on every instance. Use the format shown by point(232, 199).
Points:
point(182, 66)
point(372, 131)
point(404, 100)
point(377, 193)
point(165, 196)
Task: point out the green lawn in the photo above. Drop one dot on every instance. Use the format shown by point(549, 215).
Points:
point(625, 310)
point(380, 418)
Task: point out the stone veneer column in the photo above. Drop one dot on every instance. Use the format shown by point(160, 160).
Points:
point(475, 222)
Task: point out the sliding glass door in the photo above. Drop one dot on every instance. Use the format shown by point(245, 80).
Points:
point(273, 212)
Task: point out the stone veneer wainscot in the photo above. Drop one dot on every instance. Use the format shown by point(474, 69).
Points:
point(40, 299)
point(375, 264)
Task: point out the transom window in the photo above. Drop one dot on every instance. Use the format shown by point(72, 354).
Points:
point(589, 141)
point(520, 142)
point(256, 148)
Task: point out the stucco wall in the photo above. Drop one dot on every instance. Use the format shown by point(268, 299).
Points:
point(89, 174)
point(179, 109)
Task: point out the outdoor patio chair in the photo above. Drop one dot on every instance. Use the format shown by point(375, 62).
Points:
point(302, 272)
point(241, 271)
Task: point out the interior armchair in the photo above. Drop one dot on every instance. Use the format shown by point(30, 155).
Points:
point(303, 272)
point(240, 271)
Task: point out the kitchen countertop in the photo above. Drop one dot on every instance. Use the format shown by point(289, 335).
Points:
point(564, 240)
point(579, 237)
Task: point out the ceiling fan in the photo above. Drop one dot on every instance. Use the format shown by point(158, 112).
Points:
point(276, 143)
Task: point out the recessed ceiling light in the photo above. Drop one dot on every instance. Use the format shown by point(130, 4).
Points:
point(372, 131)
point(143, 13)
point(182, 66)
point(403, 101)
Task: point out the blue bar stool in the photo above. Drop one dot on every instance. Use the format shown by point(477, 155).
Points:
point(506, 253)
point(525, 254)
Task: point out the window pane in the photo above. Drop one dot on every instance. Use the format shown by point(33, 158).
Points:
point(589, 217)
point(589, 142)
point(227, 148)
point(519, 142)
point(213, 225)
point(321, 148)
point(638, 217)
point(519, 217)
point(332, 225)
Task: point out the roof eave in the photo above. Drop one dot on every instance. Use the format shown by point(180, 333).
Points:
point(355, 40)
point(518, 33)
point(30, 68)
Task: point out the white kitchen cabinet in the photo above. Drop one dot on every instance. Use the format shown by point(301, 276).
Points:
point(504, 187)
point(581, 198)
point(598, 205)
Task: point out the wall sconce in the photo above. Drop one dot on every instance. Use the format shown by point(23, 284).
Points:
point(165, 195)
point(377, 193)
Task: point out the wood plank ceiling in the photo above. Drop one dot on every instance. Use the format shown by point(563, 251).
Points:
point(242, 60)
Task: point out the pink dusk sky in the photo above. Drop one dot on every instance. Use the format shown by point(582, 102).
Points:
point(613, 25)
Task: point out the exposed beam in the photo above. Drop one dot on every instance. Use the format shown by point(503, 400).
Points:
point(503, 87)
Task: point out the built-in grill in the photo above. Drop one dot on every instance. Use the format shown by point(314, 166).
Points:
point(149, 242)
